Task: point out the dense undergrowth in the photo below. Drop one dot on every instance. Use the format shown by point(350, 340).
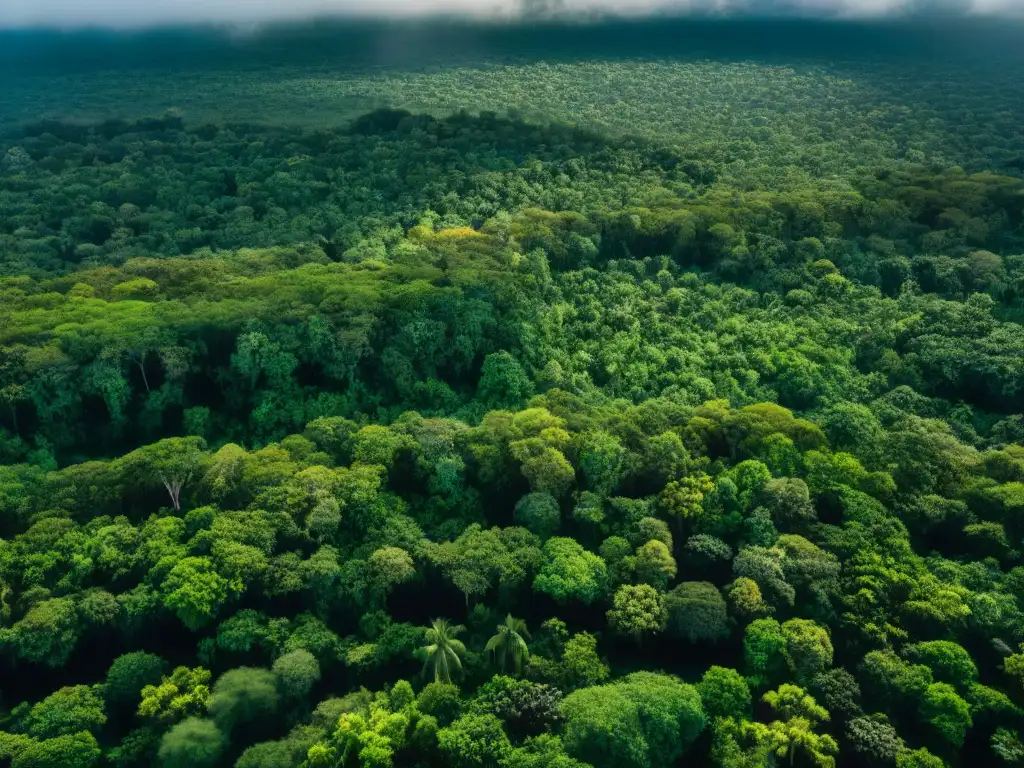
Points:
point(471, 440)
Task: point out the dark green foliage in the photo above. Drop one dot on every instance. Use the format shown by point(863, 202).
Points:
point(874, 739)
point(192, 742)
point(704, 550)
point(946, 712)
point(838, 691)
point(243, 696)
point(503, 382)
point(137, 750)
point(697, 611)
point(66, 712)
point(539, 512)
point(949, 662)
point(474, 740)
point(297, 672)
point(764, 650)
point(526, 708)
point(808, 648)
point(441, 701)
point(129, 674)
point(78, 750)
point(267, 754)
point(443, 652)
point(46, 634)
point(509, 647)
point(644, 721)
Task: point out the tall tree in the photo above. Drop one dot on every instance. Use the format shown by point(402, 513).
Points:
point(509, 646)
point(172, 462)
point(444, 651)
point(802, 715)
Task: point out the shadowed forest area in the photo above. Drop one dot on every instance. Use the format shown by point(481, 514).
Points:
point(615, 395)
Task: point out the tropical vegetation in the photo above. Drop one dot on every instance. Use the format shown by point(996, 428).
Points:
point(675, 420)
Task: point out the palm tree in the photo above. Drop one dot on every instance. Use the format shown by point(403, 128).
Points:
point(444, 650)
point(508, 645)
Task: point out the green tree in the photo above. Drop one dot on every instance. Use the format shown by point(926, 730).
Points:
point(544, 751)
point(65, 712)
point(705, 551)
point(192, 743)
point(129, 674)
point(697, 611)
point(682, 499)
point(918, 758)
point(989, 706)
point(46, 634)
point(838, 690)
point(571, 572)
point(77, 750)
point(764, 650)
point(172, 463)
point(808, 648)
point(654, 564)
point(765, 567)
point(745, 599)
point(195, 591)
point(890, 678)
point(949, 662)
point(874, 739)
point(724, 693)
point(389, 567)
point(441, 701)
point(508, 647)
point(185, 692)
point(241, 696)
point(443, 651)
point(603, 461)
point(791, 701)
point(801, 715)
point(637, 610)
point(544, 465)
point(378, 445)
point(503, 382)
point(474, 741)
point(1013, 665)
point(526, 708)
point(645, 720)
point(580, 665)
point(297, 672)
point(539, 512)
point(1006, 744)
point(13, 376)
point(652, 529)
point(946, 712)
point(746, 744)
point(137, 749)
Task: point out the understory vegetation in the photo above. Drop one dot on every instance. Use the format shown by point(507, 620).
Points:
point(658, 429)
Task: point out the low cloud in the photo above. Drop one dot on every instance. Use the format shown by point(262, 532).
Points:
point(128, 14)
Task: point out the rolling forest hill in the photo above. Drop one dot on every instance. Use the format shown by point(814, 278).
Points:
point(393, 243)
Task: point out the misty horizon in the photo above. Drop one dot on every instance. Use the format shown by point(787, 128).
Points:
point(122, 15)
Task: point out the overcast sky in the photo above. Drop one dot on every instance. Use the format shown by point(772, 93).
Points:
point(142, 13)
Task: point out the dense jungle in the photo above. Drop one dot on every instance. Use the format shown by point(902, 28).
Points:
point(609, 395)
